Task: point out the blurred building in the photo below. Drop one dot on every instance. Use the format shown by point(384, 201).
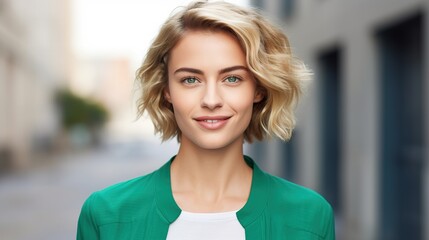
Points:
point(109, 80)
point(34, 55)
point(362, 132)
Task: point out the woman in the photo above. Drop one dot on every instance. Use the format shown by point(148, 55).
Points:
point(216, 75)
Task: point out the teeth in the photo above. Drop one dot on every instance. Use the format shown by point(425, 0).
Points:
point(211, 121)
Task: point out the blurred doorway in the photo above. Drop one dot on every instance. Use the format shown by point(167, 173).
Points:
point(401, 60)
point(330, 105)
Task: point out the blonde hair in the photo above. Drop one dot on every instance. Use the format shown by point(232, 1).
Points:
point(277, 72)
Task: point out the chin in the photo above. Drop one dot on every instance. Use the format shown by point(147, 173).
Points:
point(216, 144)
point(213, 147)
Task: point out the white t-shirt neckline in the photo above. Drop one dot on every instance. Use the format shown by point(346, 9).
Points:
point(208, 217)
point(208, 226)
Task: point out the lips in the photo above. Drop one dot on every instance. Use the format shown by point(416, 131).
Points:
point(212, 122)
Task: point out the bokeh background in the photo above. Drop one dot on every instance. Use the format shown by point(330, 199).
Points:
point(68, 122)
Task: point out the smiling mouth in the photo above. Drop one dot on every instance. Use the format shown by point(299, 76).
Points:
point(212, 123)
point(212, 119)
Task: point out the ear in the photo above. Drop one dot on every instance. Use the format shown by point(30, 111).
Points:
point(166, 93)
point(259, 95)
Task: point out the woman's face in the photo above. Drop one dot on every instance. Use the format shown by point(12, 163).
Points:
point(211, 90)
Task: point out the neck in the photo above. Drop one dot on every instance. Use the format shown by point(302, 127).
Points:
point(207, 179)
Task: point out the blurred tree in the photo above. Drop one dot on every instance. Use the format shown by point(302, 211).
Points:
point(78, 112)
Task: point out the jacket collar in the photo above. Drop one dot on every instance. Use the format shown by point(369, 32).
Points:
point(253, 208)
point(258, 198)
point(165, 202)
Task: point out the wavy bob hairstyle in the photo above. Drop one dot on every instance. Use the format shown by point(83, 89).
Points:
point(277, 72)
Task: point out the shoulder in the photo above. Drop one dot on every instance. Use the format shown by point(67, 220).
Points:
point(130, 190)
point(121, 201)
point(284, 191)
point(299, 207)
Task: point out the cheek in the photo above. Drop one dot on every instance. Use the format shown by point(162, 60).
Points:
point(241, 104)
point(242, 99)
point(177, 97)
point(182, 104)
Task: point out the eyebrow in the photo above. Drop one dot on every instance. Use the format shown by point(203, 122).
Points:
point(223, 70)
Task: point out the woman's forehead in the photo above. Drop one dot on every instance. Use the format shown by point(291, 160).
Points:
point(207, 48)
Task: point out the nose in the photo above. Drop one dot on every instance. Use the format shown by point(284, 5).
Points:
point(212, 97)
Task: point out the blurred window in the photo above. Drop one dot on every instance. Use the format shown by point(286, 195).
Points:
point(290, 157)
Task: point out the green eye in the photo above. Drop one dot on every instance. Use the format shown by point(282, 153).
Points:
point(190, 80)
point(232, 79)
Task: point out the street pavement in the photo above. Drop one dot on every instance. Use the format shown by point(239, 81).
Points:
point(44, 203)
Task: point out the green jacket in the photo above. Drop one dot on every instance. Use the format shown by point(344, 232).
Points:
point(143, 208)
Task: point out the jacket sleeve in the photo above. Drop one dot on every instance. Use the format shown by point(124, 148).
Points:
point(87, 228)
point(330, 227)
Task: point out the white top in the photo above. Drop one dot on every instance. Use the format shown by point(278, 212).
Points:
point(207, 226)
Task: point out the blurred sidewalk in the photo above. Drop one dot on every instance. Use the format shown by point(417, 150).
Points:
point(44, 203)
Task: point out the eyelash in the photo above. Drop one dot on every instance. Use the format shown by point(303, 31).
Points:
point(185, 79)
